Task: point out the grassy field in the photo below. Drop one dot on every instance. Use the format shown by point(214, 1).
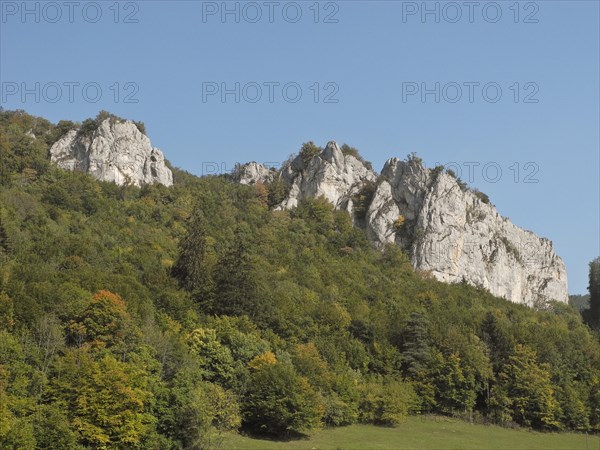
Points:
point(424, 433)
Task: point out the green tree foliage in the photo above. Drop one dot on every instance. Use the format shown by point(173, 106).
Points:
point(15, 432)
point(528, 392)
point(104, 323)
point(216, 360)
point(498, 339)
point(193, 267)
point(52, 429)
point(205, 412)
point(594, 405)
point(89, 126)
point(580, 302)
point(279, 401)
point(276, 192)
point(24, 156)
point(455, 384)
point(572, 412)
point(416, 352)
point(153, 317)
point(363, 198)
point(308, 151)
point(236, 285)
point(386, 402)
point(105, 400)
point(592, 315)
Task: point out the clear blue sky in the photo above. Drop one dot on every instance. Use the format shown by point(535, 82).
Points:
point(368, 55)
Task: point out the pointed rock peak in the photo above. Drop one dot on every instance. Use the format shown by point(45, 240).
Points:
point(401, 169)
point(332, 146)
point(390, 164)
point(333, 153)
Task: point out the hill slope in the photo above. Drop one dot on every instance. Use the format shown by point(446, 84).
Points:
point(163, 317)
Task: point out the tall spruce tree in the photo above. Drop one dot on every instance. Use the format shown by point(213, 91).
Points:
point(592, 314)
point(192, 268)
point(235, 281)
point(416, 352)
point(498, 340)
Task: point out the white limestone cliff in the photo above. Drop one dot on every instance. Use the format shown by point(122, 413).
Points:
point(453, 234)
point(116, 151)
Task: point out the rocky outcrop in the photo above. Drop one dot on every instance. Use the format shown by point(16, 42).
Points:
point(448, 230)
point(115, 151)
point(252, 173)
point(330, 174)
point(399, 194)
point(456, 236)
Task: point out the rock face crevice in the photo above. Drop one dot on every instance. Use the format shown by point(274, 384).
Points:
point(116, 151)
point(447, 230)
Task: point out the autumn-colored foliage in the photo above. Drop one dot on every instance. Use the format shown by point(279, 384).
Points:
point(104, 323)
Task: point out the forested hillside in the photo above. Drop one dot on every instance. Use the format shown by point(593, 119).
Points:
point(160, 318)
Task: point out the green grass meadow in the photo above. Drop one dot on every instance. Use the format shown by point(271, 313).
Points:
point(423, 433)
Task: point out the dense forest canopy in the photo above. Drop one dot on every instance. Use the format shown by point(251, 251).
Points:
point(162, 318)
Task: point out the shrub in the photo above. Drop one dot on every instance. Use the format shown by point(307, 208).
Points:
point(510, 248)
point(399, 222)
point(414, 158)
point(308, 151)
point(481, 196)
point(277, 191)
point(88, 127)
point(140, 126)
point(338, 412)
point(437, 170)
point(347, 150)
point(362, 199)
point(386, 402)
point(461, 184)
